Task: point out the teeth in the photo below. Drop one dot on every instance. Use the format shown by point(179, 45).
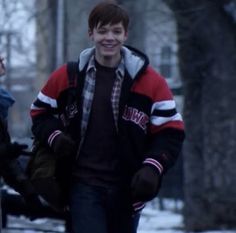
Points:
point(108, 46)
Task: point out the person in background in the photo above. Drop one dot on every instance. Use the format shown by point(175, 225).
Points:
point(122, 132)
point(10, 169)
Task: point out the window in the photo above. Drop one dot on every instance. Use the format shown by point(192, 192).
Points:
point(165, 70)
point(166, 64)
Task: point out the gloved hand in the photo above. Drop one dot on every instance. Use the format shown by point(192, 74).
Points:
point(145, 183)
point(12, 150)
point(35, 202)
point(63, 146)
point(35, 205)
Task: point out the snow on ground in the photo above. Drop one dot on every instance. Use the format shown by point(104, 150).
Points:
point(153, 220)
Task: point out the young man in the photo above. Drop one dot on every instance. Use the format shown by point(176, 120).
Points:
point(10, 168)
point(122, 132)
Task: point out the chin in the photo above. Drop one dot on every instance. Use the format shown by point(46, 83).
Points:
point(108, 54)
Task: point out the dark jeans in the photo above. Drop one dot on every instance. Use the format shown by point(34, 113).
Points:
point(101, 210)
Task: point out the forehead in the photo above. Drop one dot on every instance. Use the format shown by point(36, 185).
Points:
point(115, 25)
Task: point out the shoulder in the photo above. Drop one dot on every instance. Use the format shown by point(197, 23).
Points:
point(59, 76)
point(151, 82)
point(151, 76)
point(57, 81)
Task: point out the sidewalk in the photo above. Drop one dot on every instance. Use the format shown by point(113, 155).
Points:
point(152, 220)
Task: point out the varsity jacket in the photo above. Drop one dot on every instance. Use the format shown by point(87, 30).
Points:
point(150, 129)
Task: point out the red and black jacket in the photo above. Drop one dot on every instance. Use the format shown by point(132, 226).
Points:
point(150, 128)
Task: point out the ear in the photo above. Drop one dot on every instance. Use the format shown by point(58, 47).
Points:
point(90, 34)
point(126, 36)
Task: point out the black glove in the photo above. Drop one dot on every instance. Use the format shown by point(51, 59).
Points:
point(12, 150)
point(145, 183)
point(36, 206)
point(35, 202)
point(63, 146)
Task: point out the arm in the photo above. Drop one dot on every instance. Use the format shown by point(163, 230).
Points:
point(165, 139)
point(47, 127)
point(166, 131)
point(14, 176)
point(164, 148)
point(44, 109)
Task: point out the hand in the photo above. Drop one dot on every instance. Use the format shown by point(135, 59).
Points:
point(15, 149)
point(145, 183)
point(63, 146)
point(35, 205)
point(35, 202)
point(12, 150)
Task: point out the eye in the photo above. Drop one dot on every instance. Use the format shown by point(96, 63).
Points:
point(117, 32)
point(101, 31)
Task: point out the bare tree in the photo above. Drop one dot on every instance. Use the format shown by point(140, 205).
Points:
point(77, 26)
point(45, 38)
point(138, 24)
point(17, 46)
point(207, 49)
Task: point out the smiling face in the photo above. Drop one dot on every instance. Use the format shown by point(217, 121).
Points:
point(108, 40)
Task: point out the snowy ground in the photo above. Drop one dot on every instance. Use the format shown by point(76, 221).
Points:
point(152, 221)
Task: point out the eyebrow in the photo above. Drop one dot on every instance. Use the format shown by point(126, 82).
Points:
point(104, 26)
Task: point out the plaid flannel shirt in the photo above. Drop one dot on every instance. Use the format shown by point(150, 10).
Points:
point(89, 88)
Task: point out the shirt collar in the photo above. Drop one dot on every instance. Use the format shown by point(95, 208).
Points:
point(120, 71)
point(91, 64)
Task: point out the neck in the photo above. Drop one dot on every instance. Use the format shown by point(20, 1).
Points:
point(108, 61)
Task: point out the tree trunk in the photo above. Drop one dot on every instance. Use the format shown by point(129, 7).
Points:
point(138, 24)
point(76, 25)
point(45, 39)
point(207, 49)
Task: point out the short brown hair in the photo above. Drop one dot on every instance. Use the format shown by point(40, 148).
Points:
point(108, 12)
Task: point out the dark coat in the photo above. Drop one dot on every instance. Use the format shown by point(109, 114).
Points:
point(10, 169)
point(150, 129)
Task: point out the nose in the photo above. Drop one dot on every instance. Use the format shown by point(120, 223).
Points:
point(109, 35)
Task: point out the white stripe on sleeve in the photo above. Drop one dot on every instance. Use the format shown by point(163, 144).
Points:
point(48, 100)
point(162, 120)
point(163, 105)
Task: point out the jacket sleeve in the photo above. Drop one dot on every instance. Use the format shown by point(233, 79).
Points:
point(10, 169)
point(166, 130)
point(164, 149)
point(44, 110)
point(14, 175)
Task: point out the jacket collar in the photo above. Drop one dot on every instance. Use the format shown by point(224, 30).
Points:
point(133, 60)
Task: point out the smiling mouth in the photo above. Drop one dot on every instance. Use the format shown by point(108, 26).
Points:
point(109, 46)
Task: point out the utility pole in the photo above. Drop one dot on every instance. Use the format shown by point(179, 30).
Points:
point(8, 39)
point(60, 33)
point(8, 60)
